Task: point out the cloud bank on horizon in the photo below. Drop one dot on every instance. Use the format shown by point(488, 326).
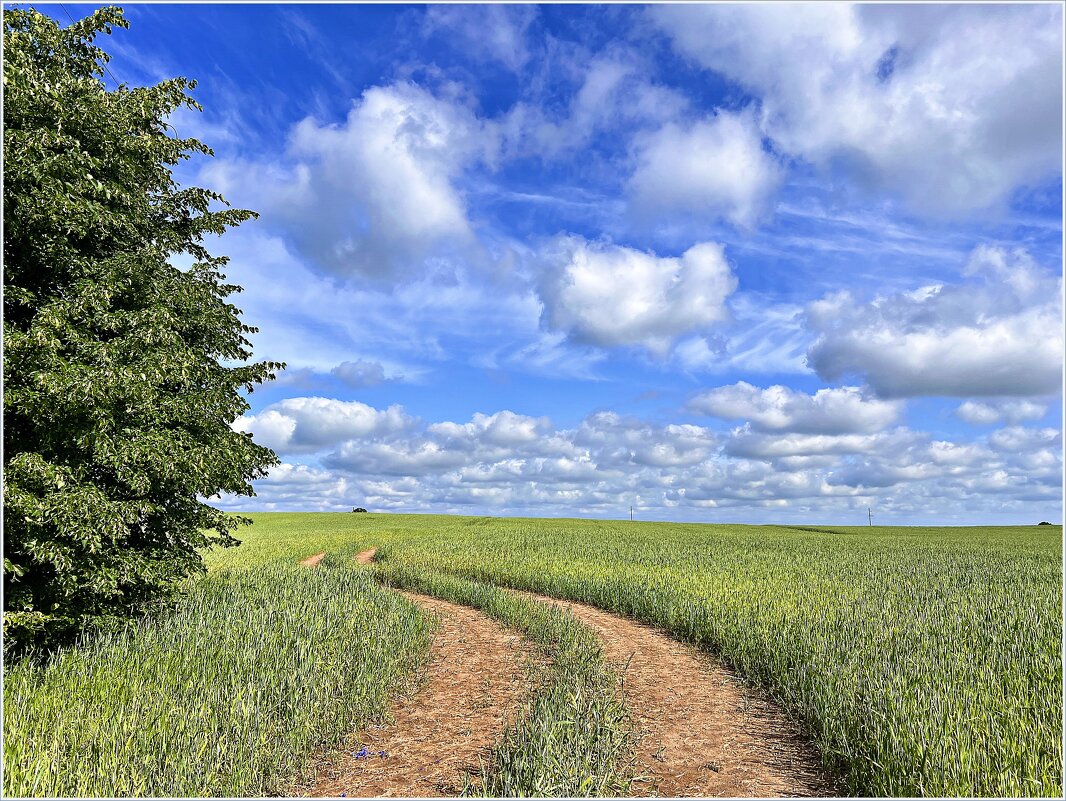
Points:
point(751, 263)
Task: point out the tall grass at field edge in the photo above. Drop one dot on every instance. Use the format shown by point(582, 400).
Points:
point(227, 696)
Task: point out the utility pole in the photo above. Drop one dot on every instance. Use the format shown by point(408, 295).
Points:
point(630, 514)
point(870, 514)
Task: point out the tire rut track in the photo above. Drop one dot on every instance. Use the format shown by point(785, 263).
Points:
point(470, 689)
point(700, 731)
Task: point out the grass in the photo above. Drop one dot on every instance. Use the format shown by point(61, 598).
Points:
point(266, 662)
point(922, 661)
point(228, 696)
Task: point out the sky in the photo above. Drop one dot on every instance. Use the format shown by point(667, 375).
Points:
point(718, 263)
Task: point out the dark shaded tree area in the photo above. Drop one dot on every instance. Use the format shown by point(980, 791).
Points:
point(122, 372)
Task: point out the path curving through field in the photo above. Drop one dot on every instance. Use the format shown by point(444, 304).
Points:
point(470, 690)
point(312, 561)
point(700, 730)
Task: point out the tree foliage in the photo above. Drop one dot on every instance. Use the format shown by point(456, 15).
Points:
point(122, 371)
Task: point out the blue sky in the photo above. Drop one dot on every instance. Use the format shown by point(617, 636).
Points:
point(753, 263)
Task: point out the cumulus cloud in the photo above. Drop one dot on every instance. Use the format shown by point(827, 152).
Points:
point(999, 411)
point(508, 463)
point(310, 424)
point(376, 195)
point(623, 442)
point(395, 458)
point(504, 428)
point(999, 335)
point(715, 167)
point(506, 447)
point(609, 295)
point(939, 473)
point(297, 486)
point(1020, 438)
point(920, 100)
point(748, 443)
point(828, 411)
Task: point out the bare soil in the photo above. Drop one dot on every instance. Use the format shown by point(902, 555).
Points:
point(471, 688)
point(700, 730)
point(312, 561)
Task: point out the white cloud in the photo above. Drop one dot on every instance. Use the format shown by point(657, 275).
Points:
point(751, 444)
point(395, 458)
point(1019, 438)
point(507, 463)
point(610, 295)
point(506, 447)
point(503, 428)
point(843, 410)
point(922, 100)
point(486, 32)
point(376, 195)
point(612, 92)
point(269, 428)
point(297, 486)
point(1000, 411)
point(715, 167)
point(360, 373)
point(310, 424)
point(622, 442)
point(999, 336)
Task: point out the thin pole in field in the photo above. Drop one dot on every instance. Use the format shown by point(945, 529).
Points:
point(630, 514)
point(870, 514)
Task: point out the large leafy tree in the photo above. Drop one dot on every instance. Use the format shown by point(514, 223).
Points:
point(122, 371)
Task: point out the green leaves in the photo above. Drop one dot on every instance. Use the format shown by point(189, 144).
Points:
point(117, 406)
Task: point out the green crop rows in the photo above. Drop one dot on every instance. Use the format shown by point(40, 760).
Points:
point(921, 661)
point(227, 697)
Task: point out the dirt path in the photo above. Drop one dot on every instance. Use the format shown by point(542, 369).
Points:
point(701, 731)
point(312, 561)
point(471, 688)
